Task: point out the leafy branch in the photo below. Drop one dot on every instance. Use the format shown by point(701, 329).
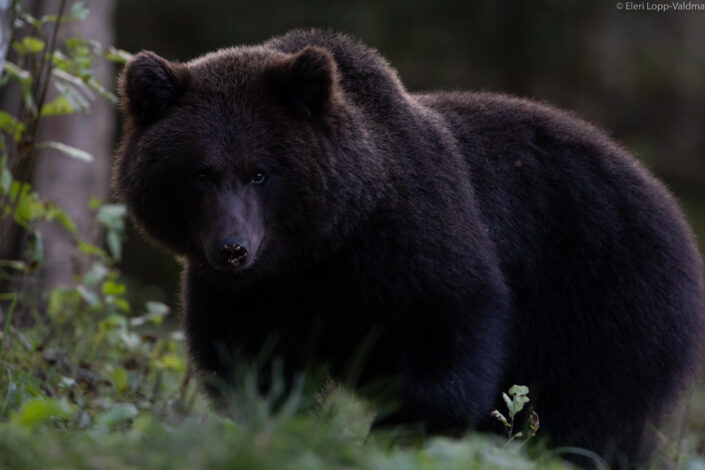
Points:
point(43, 57)
point(516, 399)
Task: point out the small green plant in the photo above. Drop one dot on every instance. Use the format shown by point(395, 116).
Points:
point(42, 57)
point(516, 399)
point(78, 355)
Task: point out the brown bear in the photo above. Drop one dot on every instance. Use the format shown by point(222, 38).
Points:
point(463, 241)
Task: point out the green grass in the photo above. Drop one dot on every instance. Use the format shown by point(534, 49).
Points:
point(87, 389)
point(333, 439)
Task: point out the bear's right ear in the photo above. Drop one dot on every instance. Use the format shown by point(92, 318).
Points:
point(307, 80)
point(148, 85)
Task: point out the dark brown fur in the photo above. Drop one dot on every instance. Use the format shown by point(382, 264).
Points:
point(480, 240)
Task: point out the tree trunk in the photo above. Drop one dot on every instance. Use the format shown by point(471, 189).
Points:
point(5, 30)
point(70, 182)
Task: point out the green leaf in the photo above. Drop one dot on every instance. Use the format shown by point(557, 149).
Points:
point(7, 121)
point(16, 265)
point(59, 105)
point(177, 336)
point(28, 18)
point(171, 361)
point(122, 304)
point(130, 340)
point(156, 311)
point(113, 288)
point(117, 55)
point(29, 45)
point(34, 250)
point(113, 322)
point(500, 417)
point(11, 125)
point(73, 87)
point(33, 45)
point(114, 244)
point(19, 74)
point(40, 410)
point(61, 62)
point(73, 79)
point(80, 11)
point(534, 423)
point(519, 390)
point(97, 86)
point(68, 150)
point(507, 400)
point(95, 274)
point(112, 216)
point(29, 207)
point(49, 19)
point(519, 399)
point(90, 297)
point(119, 376)
point(5, 176)
point(75, 98)
point(81, 57)
point(63, 303)
point(96, 46)
point(24, 78)
point(91, 250)
point(117, 414)
point(66, 222)
point(55, 212)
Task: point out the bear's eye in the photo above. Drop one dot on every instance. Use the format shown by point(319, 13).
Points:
point(259, 177)
point(204, 175)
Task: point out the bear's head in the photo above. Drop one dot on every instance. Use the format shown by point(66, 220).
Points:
point(231, 159)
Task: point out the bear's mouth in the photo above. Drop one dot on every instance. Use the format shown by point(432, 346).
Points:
point(235, 262)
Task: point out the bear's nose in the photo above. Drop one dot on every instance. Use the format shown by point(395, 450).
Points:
point(233, 250)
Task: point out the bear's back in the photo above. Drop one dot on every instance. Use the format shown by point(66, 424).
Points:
point(604, 273)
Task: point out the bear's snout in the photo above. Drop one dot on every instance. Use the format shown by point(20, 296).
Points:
point(233, 250)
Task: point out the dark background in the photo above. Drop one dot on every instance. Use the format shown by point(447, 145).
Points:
point(639, 75)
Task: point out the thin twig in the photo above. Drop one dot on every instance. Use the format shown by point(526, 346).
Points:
point(50, 53)
point(27, 143)
point(185, 383)
point(8, 322)
point(44, 79)
point(156, 388)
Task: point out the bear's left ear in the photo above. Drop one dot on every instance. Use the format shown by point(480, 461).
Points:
point(307, 81)
point(149, 84)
